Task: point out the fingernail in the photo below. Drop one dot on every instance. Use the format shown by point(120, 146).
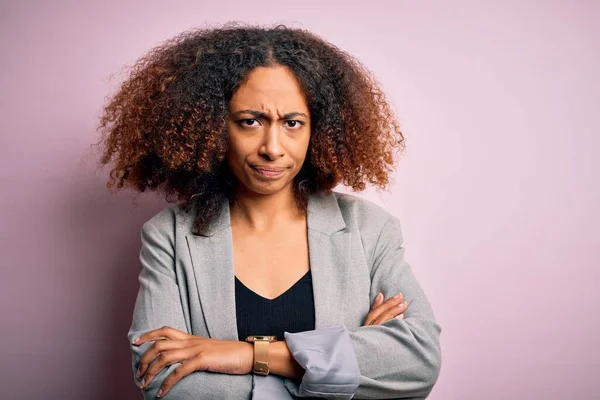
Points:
point(159, 393)
point(398, 296)
point(404, 304)
point(379, 296)
point(143, 382)
point(135, 340)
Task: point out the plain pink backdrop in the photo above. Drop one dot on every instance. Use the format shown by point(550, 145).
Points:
point(498, 191)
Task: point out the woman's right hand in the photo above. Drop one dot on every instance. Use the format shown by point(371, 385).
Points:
point(384, 311)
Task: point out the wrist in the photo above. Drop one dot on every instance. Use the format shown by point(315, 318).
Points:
point(247, 350)
point(282, 362)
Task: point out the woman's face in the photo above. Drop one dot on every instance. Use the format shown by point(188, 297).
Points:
point(269, 130)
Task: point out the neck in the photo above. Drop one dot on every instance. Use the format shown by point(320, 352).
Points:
point(262, 212)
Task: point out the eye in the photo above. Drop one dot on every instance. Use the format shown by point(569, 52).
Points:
point(248, 122)
point(294, 123)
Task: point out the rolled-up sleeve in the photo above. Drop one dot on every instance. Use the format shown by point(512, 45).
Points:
point(329, 361)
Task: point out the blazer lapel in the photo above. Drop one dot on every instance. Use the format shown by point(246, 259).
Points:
point(212, 259)
point(329, 251)
point(329, 246)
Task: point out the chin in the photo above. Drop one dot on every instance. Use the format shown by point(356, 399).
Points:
point(268, 188)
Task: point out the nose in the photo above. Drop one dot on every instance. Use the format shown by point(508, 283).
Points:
point(271, 147)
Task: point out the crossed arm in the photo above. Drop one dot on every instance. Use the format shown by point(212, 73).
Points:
point(196, 353)
point(398, 359)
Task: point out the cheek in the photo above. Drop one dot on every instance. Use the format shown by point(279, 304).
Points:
point(302, 149)
point(241, 146)
point(235, 150)
point(234, 160)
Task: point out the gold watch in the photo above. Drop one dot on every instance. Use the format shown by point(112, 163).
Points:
point(261, 352)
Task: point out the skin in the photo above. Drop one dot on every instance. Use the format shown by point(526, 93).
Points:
point(269, 129)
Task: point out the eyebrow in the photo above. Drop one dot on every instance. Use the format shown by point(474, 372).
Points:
point(263, 115)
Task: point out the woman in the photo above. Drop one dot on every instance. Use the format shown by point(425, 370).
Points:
point(263, 283)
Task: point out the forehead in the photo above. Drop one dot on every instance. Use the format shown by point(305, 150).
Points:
point(271, 89)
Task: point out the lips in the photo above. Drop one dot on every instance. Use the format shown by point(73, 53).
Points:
point(268, 169)
point(269, 172)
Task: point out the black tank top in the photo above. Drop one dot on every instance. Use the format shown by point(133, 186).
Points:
point(293, 311)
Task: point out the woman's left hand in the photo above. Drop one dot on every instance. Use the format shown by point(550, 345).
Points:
point(196, 353)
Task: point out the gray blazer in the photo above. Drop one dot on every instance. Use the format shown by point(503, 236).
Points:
point(355, 251)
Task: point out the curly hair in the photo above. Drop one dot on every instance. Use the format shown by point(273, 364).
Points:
point(165, 128)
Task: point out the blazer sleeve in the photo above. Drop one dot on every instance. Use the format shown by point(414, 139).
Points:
point(401, 358)
point(158, 304)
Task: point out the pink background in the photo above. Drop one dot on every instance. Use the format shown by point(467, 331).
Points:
point(498, 191)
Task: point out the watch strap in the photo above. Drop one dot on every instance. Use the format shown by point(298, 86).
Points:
point(261, 357)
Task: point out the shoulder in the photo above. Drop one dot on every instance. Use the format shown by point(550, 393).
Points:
point(376, 227)
point(169, 220)
point(363, 213)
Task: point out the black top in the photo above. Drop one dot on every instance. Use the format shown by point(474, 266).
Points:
point(292, 311)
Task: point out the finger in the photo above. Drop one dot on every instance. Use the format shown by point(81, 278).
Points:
point(378, 301)
point(178, 373)
point(163, 360)
point(166, 332)
point(391, 313)
point(376, 313)
point(386, 311)
point(401, 316)
point(379, 310)
point(155, 350)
